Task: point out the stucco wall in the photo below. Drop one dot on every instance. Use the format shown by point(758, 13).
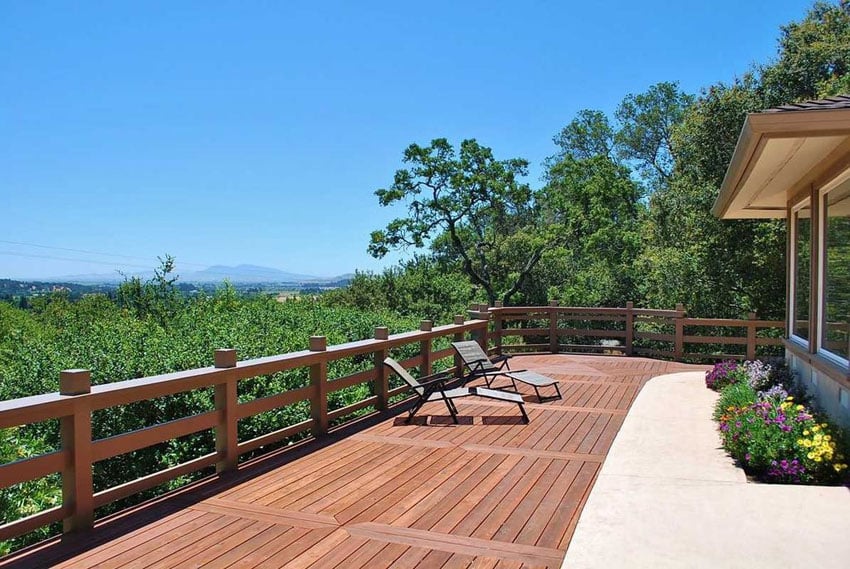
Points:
point(829, 395)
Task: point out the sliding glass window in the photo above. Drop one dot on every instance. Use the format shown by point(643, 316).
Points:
point(835, 304)
point(802, 271)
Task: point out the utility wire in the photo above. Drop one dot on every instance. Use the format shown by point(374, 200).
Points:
point(117, 266)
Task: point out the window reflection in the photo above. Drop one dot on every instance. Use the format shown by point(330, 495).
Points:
point(836, 300)
point(803, 251)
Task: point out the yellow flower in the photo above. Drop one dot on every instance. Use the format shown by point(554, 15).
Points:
point(801, 442)
point(799, 407)
point(807, 443)
point(806, 432)
point(816, 428)
point(817, 459)
point(810, 456)
point(789, 398)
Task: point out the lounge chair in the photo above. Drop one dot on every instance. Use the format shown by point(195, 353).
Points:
point(433, 388)
point(480, 365)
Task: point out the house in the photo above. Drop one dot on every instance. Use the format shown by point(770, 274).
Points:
point(793, 162)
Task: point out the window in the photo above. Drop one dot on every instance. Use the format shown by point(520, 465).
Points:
point(835, 304)
point(802, 271)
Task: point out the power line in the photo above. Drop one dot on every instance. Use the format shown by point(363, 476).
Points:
point(88, 252)
point(117, 266)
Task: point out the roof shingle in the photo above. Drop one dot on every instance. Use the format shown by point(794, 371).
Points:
point(830, 103)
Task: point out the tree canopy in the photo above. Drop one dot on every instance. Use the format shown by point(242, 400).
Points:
point(471, 209)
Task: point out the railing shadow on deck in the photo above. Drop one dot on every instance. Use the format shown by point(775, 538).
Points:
point(629, 331)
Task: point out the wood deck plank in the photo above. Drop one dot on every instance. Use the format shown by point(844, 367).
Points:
point(488, 492)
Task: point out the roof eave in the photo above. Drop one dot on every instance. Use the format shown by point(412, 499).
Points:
point(761, 126)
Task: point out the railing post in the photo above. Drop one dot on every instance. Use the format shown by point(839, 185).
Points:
point(679, 345)
point(751, 336)
point(458, 321)
point(480, 312)
point(75, 433)
point(630, 327)
point(425, 347)
point(319, 381)
point(497, 328)
point(226, 432)
point(554, 345)
point(381, 386)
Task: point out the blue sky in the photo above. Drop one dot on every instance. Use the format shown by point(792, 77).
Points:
point(257, 132)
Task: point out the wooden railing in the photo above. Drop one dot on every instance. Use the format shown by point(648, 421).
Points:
point(628, 331)
point(78, 399)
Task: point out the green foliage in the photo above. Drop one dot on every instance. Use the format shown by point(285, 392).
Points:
point(595, 209)
point(468, 207)
point(118, 343)
point(734, 395)
point(774, 436)
point(814, 56)
point(421, 288)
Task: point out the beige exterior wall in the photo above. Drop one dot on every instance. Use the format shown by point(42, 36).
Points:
point(831, 397)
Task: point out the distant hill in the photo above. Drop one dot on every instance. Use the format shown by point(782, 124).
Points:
point(247, 274)
point(240, 274)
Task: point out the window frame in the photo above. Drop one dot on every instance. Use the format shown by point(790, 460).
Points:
point(823, 225)
point(792, 297)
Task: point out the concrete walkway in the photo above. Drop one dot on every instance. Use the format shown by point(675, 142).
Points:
point(668, 496)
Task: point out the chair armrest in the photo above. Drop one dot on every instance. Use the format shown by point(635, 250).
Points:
point(440, 377)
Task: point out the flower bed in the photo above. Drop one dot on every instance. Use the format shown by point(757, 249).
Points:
point(769, 427)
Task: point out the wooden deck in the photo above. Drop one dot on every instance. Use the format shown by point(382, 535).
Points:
point(490, 492)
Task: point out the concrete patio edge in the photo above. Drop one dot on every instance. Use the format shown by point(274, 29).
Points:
point(668, 496)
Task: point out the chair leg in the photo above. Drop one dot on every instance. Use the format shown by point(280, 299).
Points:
point(524, 415)
point(452, 408)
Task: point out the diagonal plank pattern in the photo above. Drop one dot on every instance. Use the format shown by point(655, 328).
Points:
point(489, 492)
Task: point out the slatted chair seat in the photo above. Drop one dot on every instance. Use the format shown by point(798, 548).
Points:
point(433, 388)
point(479, 364)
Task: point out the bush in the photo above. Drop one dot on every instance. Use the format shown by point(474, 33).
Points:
point(775, 437)
point(725, 373)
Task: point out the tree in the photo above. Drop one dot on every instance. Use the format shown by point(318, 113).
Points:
point(596, 207)
point(814, 56)
point(470, 209)
point(589, 134)
point(647, 121)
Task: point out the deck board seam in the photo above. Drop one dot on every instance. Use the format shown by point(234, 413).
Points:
point(529, 554)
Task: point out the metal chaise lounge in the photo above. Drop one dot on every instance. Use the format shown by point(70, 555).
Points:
point(433, 388)
point(480, 365)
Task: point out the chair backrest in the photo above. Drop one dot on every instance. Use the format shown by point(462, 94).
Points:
point(403, 373)
point(473, 355)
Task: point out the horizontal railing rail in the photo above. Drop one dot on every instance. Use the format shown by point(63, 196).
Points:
point(77, 399)
point(630, 331)
point(549, 329)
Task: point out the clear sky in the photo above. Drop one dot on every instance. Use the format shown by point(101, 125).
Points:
point(257, 132)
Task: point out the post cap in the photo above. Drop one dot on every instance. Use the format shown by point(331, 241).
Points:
point(459, 319)
point(74, 381)
point(426, 325)
point(382, 333)
point(225, 357)
point(318, 343)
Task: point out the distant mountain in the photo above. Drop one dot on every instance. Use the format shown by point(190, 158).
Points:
point(248, 274)
point(94, 278)
point(240, 274)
